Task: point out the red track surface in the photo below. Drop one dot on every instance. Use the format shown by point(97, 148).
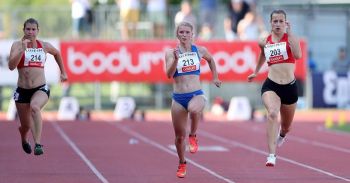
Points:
point(138, 152)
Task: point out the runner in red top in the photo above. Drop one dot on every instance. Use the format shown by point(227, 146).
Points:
point(28, 55)
point(279, 91)
point(33, 57)
point(283, 53)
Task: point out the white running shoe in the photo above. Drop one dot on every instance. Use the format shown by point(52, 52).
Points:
point(271, 160)
point(280, 140)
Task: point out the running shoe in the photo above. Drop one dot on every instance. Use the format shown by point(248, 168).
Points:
point(271, 160)
point(26, 147)
point(25, 144)
point(280, 140)
point(38, 150)
point(181, 170)
point(193, 143)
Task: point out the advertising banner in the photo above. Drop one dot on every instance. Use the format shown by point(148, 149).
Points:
point(330, 90)
point(143, 61)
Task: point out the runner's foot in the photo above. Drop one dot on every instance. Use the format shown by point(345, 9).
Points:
point(181, 170)
point(271, 160)
point(38, 150)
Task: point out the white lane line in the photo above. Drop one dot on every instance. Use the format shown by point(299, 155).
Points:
point(79, 153)
point(319, 144)
point(250, 148)
point(161, 147)
point(311, 142)
point(203, 148)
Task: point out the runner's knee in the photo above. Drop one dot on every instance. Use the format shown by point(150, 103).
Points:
point(195, 109)
point(272, 115)
point(35, 109)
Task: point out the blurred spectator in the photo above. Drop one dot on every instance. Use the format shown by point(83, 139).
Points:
point(186, 14)
point(206, 32)
point(311, 62)
point(83, 114)
point(157, 14)
point(252, 4)
point(81, 17)
point(342, 63)
point(229, 34)
point(224, 104)
point(207, 16)
point(251, 27)
point(129, 16)
point(220, 106)
point(237, 11)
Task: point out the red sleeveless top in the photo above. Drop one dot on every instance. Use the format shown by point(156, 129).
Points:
point(33, 57)
point(280, 52)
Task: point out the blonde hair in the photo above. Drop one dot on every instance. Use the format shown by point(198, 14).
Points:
point(187, 24)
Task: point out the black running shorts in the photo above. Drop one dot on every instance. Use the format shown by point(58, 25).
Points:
point(22, 95)
point(288, 93)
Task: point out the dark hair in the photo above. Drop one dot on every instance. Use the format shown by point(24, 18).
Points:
point(30, 21)
point(278, 12)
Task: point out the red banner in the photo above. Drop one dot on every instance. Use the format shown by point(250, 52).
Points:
point(144, 61)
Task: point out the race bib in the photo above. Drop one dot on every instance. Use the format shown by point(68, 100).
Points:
point(34, 57)
point(188, 62)
point(276, 52)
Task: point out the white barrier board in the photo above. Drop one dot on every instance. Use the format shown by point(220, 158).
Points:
point(239, 109)
point(11, 111)
point(124, 108)
point(68, 109)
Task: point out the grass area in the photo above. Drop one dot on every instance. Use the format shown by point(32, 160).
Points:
point(344, 128)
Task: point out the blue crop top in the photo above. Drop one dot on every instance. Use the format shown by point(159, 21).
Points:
point(188, 63)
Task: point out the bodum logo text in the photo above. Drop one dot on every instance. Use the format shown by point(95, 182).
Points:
point(115, 62)
point(121, 61)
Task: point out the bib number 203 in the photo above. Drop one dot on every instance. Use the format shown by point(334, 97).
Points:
point(275, 52)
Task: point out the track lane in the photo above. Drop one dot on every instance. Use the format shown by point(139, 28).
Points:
point(325, 161)
point(316, 147)
point(123, 162)
point(58, 163)
point(257, 161)
point(120, 155)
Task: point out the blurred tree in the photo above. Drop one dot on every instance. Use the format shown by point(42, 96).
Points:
point(176, 2)
point(12, 3)
point(15, 12)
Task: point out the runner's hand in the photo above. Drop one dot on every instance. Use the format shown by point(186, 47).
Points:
point(25, 43)
point(176, 54)
point(288, 29)
point(251, 77)
point(63, 77)
point(217, 83)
